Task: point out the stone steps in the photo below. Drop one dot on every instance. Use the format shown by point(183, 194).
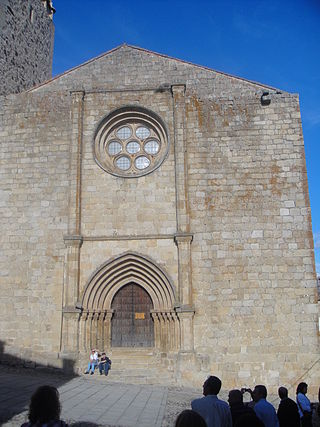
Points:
point(137, 366)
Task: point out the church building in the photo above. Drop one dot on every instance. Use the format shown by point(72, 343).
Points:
point(154, 209)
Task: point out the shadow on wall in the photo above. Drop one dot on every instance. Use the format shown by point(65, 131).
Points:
point(19, 378)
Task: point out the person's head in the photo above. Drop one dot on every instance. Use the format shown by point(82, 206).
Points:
point(302, 388)
point(235, 396)
point(189, 418)
point(282, 392)
point(44, 405)
point(212, 385)
point(103, 354)
point(249, 420)
point(259, 392)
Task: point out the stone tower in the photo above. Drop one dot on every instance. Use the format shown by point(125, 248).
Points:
point(26, 44)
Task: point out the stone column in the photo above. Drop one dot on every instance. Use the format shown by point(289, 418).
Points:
point(183, 242)
point(157, 336)
point(176, 331)
point(83, 332)
point(107, 329)
point(185, 315)
point(73, 241)
point(183, 237)
point(171, 334)
point(88, 330)
point(180, 154)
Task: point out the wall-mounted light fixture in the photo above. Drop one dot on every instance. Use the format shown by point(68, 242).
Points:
point(265, 98)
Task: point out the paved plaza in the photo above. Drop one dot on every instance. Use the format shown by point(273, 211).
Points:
point(98, 401)
point(93, 400)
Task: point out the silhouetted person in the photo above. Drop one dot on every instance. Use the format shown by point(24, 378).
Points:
point(214, 411)
point(288, 413)
point(263, 409)
point(237, 407)
point(189, 418)
point(304, 405)
point(45, 408)
point(249, 420)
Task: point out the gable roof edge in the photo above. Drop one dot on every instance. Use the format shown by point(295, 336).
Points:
point(157, 54)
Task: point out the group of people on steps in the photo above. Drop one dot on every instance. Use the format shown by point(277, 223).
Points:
point(101, 361)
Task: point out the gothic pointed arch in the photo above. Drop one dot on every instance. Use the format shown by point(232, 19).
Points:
point(129, 267)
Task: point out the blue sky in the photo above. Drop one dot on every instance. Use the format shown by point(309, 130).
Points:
point(269, 41)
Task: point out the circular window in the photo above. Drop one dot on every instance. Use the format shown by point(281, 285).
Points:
point(151, 147)
point(124, 133)
point(131, 142)
point(114, 147)
point(142, 162)
point(123, 163)
point(142, 132)
point(133, 147)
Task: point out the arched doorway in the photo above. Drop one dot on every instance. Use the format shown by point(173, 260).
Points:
point(98, 319)
point(132, 324)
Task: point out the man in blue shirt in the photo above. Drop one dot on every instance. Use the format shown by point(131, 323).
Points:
point(214, 411)
point(264, 410)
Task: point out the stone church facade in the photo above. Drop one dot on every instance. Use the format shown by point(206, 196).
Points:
point(153, 206)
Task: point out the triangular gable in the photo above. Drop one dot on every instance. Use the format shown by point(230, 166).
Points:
point(149, 52)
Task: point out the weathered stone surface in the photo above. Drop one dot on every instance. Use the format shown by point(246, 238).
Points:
point(26, 44)
point(227, 221)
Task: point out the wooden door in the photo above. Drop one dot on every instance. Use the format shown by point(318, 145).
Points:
point(132, 324)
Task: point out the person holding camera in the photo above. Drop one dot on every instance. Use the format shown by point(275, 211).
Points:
point(237, 407)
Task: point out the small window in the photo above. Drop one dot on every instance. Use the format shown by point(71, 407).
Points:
point(123, 163)
point(142, 162)
point(114, 147)
point(124, 133)
point(151, 147)
point(133, 147)
point(142, 132)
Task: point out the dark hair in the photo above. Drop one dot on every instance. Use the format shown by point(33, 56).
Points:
point(213, 385)
point(44, 405)
point(235, 396)
point(300, 388)
point(189, 418)
point(262, 390)
point(283, 392)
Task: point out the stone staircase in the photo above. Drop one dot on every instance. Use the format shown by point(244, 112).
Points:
point(138, 366)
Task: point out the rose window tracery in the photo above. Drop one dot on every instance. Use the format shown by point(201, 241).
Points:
point(131, 142)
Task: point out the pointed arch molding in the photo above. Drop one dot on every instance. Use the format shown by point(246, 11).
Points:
point(129, 267)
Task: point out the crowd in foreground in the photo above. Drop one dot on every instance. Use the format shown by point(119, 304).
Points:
point(207, 411)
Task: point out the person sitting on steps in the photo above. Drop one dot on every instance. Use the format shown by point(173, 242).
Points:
point(104, 364)
point(93, 362)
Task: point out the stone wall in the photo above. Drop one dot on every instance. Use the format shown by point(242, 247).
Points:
point(34, 132)
point(244, 198)
point(26, 44)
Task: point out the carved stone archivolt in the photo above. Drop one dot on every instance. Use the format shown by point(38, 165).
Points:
point(96, 312)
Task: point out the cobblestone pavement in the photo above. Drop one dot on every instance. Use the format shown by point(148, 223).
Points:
point(93, 400)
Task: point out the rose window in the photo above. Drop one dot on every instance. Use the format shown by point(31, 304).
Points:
point(131, 142)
